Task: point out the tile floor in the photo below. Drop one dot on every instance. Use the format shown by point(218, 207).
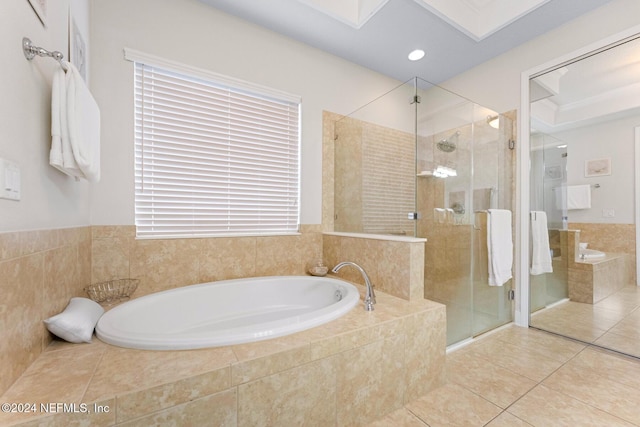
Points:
point(613, 322)
point(525, 377)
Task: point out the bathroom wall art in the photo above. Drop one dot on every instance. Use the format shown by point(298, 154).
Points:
point(597, 167)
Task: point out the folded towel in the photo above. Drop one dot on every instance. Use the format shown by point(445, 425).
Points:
point(578, 197)
point(83, 118)
point(450, 216)
point(499, 246)
point(60, 155)
point(439, 215)
point(540, 253)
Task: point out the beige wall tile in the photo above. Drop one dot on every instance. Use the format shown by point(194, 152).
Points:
point(98, 414)
point(251, 369)
point(300, 396)
point(227, 258)
point(67, 373)
point(110, 258)
point(147, 369)
point(286, 255)
point(9, 245)
point(425, 352)
point(164, 264)
point(217, 409)
point(21, 328)
point(141, 403)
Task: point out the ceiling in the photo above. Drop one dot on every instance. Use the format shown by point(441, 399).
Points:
point(456, 35)
point(594, 89)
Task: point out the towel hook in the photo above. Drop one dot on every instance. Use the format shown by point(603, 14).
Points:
point(30, 51)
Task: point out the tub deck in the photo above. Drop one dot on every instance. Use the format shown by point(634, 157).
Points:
point(353, 370)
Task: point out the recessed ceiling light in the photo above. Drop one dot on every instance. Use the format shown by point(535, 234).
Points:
point(415, 55)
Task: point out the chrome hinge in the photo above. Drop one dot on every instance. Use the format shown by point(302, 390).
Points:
point(511, 295)
point(413, 215)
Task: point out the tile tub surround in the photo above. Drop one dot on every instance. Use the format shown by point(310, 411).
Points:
point(394, 264)
point(351, 371)
point(162, 264)
point(613, 238)
point(591, 281)
point(39, 272)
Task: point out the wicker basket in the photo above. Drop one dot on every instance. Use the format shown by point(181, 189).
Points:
point(112, 291)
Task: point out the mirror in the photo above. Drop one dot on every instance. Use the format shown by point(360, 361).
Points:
point(584, 117)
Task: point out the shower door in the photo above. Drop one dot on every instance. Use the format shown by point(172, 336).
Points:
point(461, 175)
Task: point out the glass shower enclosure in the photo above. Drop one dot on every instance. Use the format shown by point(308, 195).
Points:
point(421, 161)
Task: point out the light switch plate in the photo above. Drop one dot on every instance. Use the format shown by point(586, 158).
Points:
point(10, 180)
point(608, 213)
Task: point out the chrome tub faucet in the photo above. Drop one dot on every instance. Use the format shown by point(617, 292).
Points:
point(370, 296)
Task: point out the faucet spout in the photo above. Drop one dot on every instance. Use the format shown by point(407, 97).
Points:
point(370, 296)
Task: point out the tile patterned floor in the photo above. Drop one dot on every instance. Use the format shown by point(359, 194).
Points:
point(524, 377)
point(613, 322)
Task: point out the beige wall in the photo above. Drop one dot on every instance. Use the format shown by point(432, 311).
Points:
point(50, 199)
point(234, 48)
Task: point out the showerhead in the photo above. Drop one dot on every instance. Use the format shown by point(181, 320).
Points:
point(447, 146)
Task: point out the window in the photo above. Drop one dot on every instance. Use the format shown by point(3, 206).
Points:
point(213, 158)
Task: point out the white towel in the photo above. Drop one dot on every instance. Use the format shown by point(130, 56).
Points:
point(60, 155)
point(83, 118)
point(499, 246)
point(440, 215)
point(75, 125)
point(578, 197)
point(540, 253)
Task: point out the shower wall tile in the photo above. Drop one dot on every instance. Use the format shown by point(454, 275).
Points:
point(39, 271)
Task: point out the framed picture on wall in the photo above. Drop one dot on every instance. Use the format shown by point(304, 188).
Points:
point(553, 172)
point(597, 167)
point(40, 8)
point(77, 48)
point(78, 38)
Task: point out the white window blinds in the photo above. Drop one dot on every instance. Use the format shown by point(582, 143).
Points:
point(211, 159)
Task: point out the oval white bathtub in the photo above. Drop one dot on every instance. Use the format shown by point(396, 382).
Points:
point(226, 312)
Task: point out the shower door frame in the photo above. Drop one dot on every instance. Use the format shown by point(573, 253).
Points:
point(522, 308)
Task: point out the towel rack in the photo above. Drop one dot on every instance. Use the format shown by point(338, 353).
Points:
point(592, 185)
point(30, 51)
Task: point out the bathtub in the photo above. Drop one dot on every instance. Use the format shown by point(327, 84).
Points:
point(226, 312)
point(591, 254)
